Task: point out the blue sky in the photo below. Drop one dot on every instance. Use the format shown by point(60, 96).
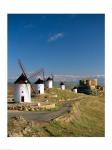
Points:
point(59, 43)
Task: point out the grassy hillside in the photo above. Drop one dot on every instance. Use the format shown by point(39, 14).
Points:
point(86, 118)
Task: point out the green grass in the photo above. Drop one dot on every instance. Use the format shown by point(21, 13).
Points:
point(85, 120)
point(88, 122)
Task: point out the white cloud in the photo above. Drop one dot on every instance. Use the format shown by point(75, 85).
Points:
point(56, 37)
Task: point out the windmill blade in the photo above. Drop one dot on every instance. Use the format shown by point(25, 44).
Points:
point(38, 72)
point(22, 67)
point(33, 89)
point(23, 71)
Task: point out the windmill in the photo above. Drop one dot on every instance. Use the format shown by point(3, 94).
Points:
point(62, 85)
point(32, 75)
point(22, 90)
point(49, 81)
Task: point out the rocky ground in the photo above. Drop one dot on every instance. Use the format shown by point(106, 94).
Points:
point(30, 106)
point(19, 127)
point(85, 119)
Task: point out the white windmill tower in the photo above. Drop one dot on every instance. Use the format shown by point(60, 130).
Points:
point(22, 92)
point(74, 89)
point(62, 85)
point(49, 82)
point(39, 86)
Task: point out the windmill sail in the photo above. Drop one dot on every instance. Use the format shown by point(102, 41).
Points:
point(24, 73)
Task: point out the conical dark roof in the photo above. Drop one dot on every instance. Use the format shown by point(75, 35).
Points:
point(39, 81)
point(22, 80)
point(49, 78)
point(62, 83)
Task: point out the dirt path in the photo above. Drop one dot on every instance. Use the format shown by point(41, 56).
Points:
point(45, 116)
point(41, 116)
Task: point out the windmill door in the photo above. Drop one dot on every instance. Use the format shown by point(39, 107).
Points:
point(22, 98)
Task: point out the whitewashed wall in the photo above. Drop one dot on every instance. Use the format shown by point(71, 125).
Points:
point(22, 90)
point(75, 90)
point(40, 87)
point(62, 87)
point(49, 83)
